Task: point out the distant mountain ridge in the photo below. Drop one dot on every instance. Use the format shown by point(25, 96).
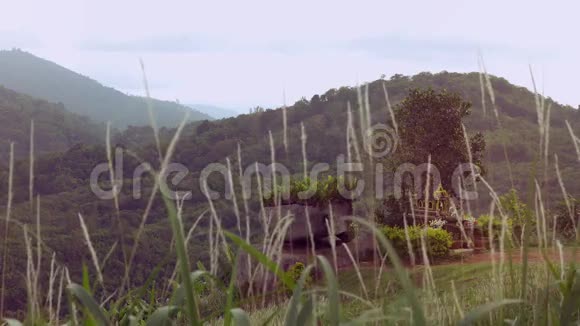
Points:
point(55, 129)
point(213, 111)
point(28, 74)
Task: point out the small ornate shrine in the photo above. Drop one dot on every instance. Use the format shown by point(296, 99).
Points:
point(438, 207)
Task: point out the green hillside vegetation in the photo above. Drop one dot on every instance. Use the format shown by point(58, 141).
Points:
point(28, 74)
point(62, 179)
point(55, 128)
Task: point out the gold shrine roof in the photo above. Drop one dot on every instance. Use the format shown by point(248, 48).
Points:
point(440, 192)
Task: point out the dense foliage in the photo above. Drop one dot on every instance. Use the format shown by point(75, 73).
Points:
point(306, 191)
point(484, 221)
point(55, 128)
point(430, 125)
point(437, 241)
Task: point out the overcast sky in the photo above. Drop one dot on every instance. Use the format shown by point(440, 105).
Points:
point(240, 54)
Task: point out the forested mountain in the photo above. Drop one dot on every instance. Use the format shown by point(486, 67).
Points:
point(65, 190)
point(28, 74)
point(55, 128)
point(324, 117)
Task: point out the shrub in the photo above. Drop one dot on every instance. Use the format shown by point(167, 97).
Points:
point(397, 237)
point(484, 220)
point(566, 219)
point(295, 272)
point(439, 241)
point(326, 191)
point(517, 211)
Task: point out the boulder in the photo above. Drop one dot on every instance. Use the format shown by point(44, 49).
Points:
point(299, 231)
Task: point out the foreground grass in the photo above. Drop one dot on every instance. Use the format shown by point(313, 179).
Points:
point(459, 288)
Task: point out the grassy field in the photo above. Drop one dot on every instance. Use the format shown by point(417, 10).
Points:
point(458, 288)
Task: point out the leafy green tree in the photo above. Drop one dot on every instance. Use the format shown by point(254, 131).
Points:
point(430, 123)
point(515, 209)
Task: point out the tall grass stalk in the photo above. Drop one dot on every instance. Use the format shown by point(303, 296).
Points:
point(390, 109)
point(408, 239)
point(192, 310)
point(482, 85)
point(470, 156)
point(497, 119)
point(59, 296)
point(72, 306)
point(400, 272)
point(219, 236)
point(274, 179)
point(152, 120)
point(303, 139)
point(428, 275)
point(310, 234)
point(357, 271)
point(265, 219)
point(273, 251)
point(380, 273)
point(351, 138)
point(246, 210)
point(116, 190)
point(456, 300)
point(285, 125)
point(144, 217)
point(37, 269)
point(109, 254)
point(29, 277)
point(234, 199)
point(50, 295)
point(6, 225)
point(31, 166)
point(187, 240)
point(332, 236)
point(140, 229)
point(367, 113)
point(361, 113)
point(92, 251)
point(576, 142)
point(575, 139)
point(542, 216)
point(565, 194)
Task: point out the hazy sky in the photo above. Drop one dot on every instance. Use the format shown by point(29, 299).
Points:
point(245, 53)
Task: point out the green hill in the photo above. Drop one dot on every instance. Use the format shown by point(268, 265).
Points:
point(65, 190)
point(28, 74)
point(55, 128)
point(324, 118)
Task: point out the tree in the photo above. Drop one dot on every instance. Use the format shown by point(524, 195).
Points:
point(430, 123)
